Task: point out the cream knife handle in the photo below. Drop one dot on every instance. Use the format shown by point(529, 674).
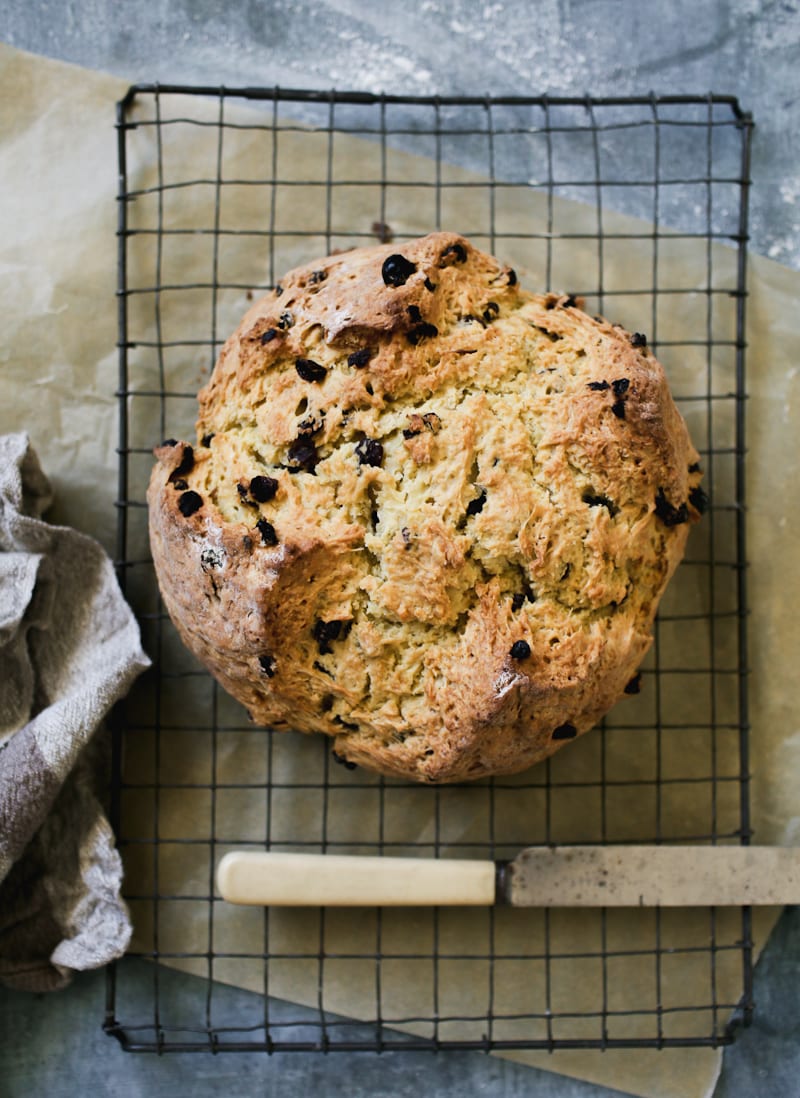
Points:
point(334, 880)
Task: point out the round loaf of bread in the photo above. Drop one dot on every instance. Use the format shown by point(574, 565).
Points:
point(427, 513)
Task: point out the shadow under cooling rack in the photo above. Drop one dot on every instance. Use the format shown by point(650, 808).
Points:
point(640, 207)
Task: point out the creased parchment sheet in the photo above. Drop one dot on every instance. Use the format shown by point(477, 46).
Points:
point(58, 180)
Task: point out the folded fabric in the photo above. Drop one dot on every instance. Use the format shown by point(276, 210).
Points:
point(69, 649)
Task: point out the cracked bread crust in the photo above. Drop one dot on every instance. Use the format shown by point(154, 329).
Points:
point(428, 513)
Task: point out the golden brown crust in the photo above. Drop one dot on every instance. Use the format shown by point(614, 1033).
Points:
point(428, 513)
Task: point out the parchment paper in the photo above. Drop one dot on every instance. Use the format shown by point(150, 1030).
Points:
point(57, 280)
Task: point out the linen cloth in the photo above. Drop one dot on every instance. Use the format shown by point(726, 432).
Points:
point(69, 649)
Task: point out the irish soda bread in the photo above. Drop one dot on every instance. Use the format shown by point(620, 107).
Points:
point(427, 513)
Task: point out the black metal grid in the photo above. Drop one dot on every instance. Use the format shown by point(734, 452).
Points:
point(681, 163)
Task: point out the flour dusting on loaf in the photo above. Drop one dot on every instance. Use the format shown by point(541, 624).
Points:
point(427, 513)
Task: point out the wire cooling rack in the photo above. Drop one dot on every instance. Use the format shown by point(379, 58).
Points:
point(639, 205)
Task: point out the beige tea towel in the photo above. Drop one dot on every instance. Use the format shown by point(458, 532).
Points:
point(69, 649)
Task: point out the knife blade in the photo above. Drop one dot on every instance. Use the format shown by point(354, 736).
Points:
point(540, 876)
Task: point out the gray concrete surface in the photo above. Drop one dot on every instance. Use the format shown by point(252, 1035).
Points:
point(61, 1052)
point(748, 48)
point(54, 1046)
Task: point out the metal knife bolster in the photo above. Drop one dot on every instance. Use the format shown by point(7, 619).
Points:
point(503, 873)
